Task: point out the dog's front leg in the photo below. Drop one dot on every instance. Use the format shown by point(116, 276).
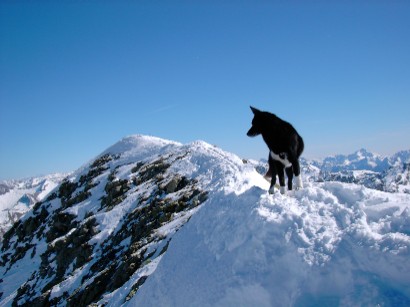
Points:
point(281, 174)
point(289, 174)
point(272, 168)
point(272, 185)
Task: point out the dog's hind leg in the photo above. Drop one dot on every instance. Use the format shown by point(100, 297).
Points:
point(296, 171)
point(298, 182)
point(272, 185)
point(298, 177)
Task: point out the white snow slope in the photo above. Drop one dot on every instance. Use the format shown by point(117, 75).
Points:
point(329, 244)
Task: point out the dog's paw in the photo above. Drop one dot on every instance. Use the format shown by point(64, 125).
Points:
point(281, 189)
point(298, 182)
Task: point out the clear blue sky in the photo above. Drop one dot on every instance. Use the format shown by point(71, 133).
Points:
point(77, 77)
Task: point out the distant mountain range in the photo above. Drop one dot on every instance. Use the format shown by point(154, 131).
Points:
point(390, 174)
point(362, 160)
point(19, 196)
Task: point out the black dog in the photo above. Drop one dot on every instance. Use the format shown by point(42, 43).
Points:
point(285, 146)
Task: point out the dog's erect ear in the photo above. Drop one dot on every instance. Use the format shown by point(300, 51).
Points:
point(255, 110)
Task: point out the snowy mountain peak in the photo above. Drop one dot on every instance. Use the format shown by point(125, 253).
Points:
point(108, 224)
point(139, 144)
point(152, 222)
point(363, 154)
point(402, 156)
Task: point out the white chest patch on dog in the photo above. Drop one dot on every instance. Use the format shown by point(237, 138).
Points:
point(282, 158)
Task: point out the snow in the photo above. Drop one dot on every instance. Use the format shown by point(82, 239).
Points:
point(328, 244)
point(140, 147)
point(179, 220)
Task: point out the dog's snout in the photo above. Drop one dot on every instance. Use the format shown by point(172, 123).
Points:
point(252, 132)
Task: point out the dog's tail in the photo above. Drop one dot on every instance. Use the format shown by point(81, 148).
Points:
point(268, 174)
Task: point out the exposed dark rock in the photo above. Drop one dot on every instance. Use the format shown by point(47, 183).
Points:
point(60, 224)
point(66, 189)
point(115, 193)
point(155, 169)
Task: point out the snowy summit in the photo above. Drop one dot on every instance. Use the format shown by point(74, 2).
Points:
point(152, 222)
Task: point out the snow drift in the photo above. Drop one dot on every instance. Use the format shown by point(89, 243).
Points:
point(212, 236)
point(331, 244)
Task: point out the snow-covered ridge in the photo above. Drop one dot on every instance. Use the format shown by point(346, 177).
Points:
point(114, 216)
point(152, 222)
